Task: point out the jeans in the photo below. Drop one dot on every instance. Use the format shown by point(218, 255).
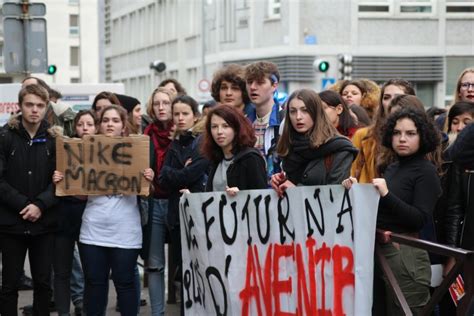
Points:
point(156, 260)
point(64, 249)
point(97, 262)
point(40, 252)
point(77, 279)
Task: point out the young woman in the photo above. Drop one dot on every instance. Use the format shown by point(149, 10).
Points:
point(228, 144)
point(70, 211)
point(134, 111)
point(368, 139)
point(454, 215)
point(160, 132)
point(363, 92)
point(110, 236)
point(408, 194)
point(312, 151)
point(465, 86)
point(173, 85)
point(102, 100)
point(338, 113)
point(184, 168)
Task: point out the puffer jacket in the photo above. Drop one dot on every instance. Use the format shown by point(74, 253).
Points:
point(26, 168)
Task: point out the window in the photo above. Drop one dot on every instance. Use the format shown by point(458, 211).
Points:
point(274, 7)
point(375, 6)
point(73, 24)
point(459, 6)
point(397, 8)
point(74, 56)
point(415, 6)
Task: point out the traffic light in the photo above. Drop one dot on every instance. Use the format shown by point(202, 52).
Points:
point(345, 66)
point(320, 65)
point(52, 69)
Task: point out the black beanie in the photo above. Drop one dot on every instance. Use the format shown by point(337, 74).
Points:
point(127, 102)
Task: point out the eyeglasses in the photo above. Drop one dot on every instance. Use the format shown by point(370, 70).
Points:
point(164, 103)
point(467, 85)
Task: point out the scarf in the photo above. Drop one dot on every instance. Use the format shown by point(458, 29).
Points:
point(302, 153)
point(161, 142)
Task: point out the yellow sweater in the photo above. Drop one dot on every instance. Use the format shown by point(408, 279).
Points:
point(363, 167)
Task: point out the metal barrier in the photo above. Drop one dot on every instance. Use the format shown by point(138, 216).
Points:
point(464, 263)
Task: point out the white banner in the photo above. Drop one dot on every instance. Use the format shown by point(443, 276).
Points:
point(308, 253)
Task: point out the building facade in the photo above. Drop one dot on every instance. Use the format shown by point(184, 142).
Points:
point(428, 42)
point(72, 40)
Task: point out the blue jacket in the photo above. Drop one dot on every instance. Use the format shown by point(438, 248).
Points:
point(272, 134)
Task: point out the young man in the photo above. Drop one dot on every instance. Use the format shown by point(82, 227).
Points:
point(57, 113)
point(262, 80)
point(229, 88)
point(27, 216)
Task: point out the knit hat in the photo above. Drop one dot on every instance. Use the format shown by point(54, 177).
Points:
point(127, 102)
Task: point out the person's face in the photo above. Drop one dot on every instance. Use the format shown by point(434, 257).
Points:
point(101, 105)
point(460, 121)
point(222, 133)
point(261, 91)
point(33, 109)
point(170, 86)
point(466, 90)
point(29, 82)
point(352, 95)
point(205, 111)
point(85, 126)
point(333, 113)
point(405, 138)
point(183, 116)
point(230, 94)
point(162, 107)
point(137, 115)
point(299, 116)
point(390, 92)
point(112, 124)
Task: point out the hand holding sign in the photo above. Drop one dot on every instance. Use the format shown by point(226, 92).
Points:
point(99, 165)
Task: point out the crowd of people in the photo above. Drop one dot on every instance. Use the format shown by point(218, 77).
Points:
point(420, 162)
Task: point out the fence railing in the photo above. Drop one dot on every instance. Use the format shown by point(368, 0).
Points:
point(464, 264)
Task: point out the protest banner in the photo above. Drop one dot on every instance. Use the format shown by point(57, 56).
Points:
point(99, 165)
point(308, 253)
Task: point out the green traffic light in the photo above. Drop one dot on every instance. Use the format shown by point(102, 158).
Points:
point(323, 66)
point(52, 69)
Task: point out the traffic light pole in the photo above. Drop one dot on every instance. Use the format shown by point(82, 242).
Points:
point(26, 20)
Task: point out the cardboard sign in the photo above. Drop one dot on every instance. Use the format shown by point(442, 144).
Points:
point(310, 252)
point(100, 165)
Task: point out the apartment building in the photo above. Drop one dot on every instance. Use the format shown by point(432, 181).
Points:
point(426, 41)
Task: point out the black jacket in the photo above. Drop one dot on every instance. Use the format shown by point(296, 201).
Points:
point(246, 172)
point(462, 151)
point(175, 176)
point(330, 163)
point(26, 169)
point(457, 222)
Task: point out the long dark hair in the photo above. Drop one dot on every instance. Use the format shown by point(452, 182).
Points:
point(333, 99)
point(322, 129)
point(244, 133)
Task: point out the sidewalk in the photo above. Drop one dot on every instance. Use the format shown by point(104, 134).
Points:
point(26, 297)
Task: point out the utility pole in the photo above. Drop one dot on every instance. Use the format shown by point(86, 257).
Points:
point(23, 20)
